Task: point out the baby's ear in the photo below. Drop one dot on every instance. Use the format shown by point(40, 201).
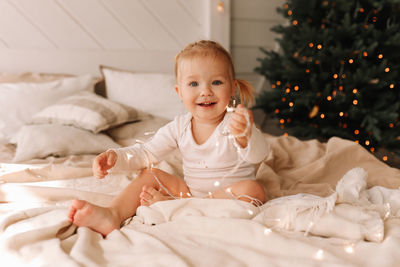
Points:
point(178, 91)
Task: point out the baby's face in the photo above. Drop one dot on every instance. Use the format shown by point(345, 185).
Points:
point(205, 86)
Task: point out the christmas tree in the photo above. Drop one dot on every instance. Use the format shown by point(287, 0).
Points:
point(337, 72)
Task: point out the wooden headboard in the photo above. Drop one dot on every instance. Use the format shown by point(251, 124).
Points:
point(76, 36)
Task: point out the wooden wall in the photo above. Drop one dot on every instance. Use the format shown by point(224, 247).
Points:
point(251, 21)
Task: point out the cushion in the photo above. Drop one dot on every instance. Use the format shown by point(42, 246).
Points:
point(42, 140)
point(87, 111)
point(153, 93)
point(140, 130)
point(31, 77)
point(20, 101)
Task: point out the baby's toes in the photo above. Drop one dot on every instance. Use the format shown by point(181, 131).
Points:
point(146, 196)
point(144, 202)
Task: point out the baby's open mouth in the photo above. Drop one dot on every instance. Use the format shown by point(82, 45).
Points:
point(206, 104)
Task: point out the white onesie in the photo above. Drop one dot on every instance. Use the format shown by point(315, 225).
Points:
point(203, 164)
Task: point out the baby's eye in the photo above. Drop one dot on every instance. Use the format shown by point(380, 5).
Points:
point(193, 84)
point(217, 82)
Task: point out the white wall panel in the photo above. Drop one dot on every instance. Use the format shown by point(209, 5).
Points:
point(17, 31)
point(76, 36)
point(252, 33)
point(66, 33)
point(251, 23)
point(256, 9)
point(176, 20)
point(100, 24)
point(139, 21)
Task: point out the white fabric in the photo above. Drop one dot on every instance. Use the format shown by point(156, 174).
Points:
point(87, 111)
point(218, 159)
point(153, 93)
point(20, 101)
point(42, 140)
point(210, 232)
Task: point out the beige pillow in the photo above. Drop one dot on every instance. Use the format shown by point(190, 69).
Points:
point(140, 130)
point(20, 101)
point(87, 111)
point(40, 141)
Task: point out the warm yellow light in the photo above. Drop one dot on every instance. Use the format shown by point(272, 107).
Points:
point(278, 82)
point(385, 158)
point(290, 12)
point(322, 115)
point(351, 61)
point(355, 102)
point(220, 7)
point(295, 22)
point(355, 91)
point(387, 69)
point(329, 98)
point(310, 44)
point(287, 90)
point(365, 54)
point(319, 46)
point(296, 88)
point(281, 121)
point(307, 71)
point(276, 111)
point(356, 132)
point(391, 86)
point(335, 76)
point(341, 114)
point(380, 56)
point(366, 142)
point(291, 104)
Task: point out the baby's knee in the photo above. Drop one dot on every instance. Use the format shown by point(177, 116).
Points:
point(253, 189)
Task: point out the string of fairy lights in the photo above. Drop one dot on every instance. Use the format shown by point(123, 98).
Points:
point(316, 114)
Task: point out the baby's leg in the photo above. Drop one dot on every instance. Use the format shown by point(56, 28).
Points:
point(246, 190)
point(106, 219)
point(150, 195)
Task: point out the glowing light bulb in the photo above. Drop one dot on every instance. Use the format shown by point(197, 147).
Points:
point(217, 183)
point(250, 212)
point(220, 7)
point(319, 255)
point(349, 249)
point(267, 231)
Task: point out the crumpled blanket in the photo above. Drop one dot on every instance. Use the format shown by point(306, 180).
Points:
point(182, 232)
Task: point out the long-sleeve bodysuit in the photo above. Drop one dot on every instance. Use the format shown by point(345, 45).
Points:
point(203, 164)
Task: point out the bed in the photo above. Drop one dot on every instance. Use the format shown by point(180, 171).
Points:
point(64, 101)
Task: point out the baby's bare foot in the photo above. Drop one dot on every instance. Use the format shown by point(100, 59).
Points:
point(99, 219)
point(150, 195)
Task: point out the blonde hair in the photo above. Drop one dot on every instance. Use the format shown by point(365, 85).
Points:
point(211, 48)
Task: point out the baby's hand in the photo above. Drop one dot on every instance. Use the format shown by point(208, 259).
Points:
point(238, 125)
point(103, 162)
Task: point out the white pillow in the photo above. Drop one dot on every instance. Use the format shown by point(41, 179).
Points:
point(42, 140)
point(87, 111)
point(153, 93)
point(20, 101)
